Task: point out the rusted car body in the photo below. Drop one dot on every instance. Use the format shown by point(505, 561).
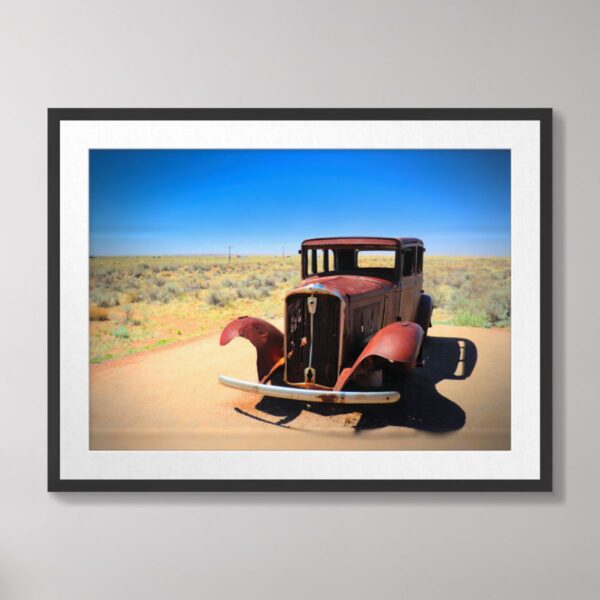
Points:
point(347, 325)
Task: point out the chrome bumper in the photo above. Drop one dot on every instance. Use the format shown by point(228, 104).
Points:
point(291, 393)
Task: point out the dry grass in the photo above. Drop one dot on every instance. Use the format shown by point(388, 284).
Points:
point(468, 291)
point(98, 314)
point(139, 303)
point(159, 300)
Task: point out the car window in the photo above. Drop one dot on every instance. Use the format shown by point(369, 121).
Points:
point(310, 261)
point(408, 263)
point(323, 259)
point(330, 255)
point(320, 260)
point(376, 259)
point(348, 261)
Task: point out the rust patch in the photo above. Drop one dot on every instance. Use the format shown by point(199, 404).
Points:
point(329, 398)
point(398, 342)
point(266, 338)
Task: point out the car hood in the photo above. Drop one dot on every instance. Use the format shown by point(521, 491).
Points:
point(350, 286)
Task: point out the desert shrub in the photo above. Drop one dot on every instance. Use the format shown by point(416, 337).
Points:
point(220, 297)
point(149, 294)
point(201, 268)
point(467, 318)
point(475, 288)
point(295, 280)
point(473, 291)
point(251, 281)
point(254, 288)
point(121, 332)
point(107, 270)
point(131, 283)
point(130, 297)
point(170, 267)
point(117, 286)
point(106, 280)
point(104, 298)
point(128, 314)
point(139, 269)
point(258, 283)
point(251, 293)
point(98, 313)
point(192, 285)
point(498, 308)
point(438, 296)
point(168, 292)
point(216, 298)
point(456, 279)
point(244, 292)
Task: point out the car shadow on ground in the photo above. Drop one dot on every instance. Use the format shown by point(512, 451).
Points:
point(420, 406)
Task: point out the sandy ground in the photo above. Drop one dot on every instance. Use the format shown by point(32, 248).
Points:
point(169, 399)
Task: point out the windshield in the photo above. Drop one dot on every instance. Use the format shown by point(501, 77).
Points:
point(322, 262)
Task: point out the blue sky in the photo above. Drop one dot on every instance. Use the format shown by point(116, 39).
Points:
point(159, 202)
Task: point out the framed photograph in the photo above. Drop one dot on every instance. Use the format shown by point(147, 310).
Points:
point(300, 299)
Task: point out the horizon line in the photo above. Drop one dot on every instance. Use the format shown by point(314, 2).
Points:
point(225, 255)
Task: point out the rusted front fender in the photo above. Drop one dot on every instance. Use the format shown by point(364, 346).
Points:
point(398, 343)
point(266, 338)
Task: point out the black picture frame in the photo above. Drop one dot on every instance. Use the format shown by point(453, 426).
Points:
point(58, 115)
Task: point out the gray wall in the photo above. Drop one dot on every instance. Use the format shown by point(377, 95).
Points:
point(386, 54)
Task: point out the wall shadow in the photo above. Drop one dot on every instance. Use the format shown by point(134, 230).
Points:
point(420, 407)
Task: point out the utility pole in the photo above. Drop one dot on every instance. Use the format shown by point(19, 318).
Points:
point(283, 255)
point(229, 260)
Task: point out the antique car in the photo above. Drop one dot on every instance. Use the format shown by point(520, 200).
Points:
point(358, 318)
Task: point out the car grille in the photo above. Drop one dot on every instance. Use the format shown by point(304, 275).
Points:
point(326, 345)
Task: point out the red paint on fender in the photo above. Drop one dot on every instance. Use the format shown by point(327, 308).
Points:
point(398, 342)
point(266, 338)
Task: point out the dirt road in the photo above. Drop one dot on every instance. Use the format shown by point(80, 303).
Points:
point(169, 399)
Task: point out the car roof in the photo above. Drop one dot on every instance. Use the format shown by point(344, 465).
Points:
point(393, 242)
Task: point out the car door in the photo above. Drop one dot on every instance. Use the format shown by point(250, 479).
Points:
point(408, 284)
point(418, 276)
